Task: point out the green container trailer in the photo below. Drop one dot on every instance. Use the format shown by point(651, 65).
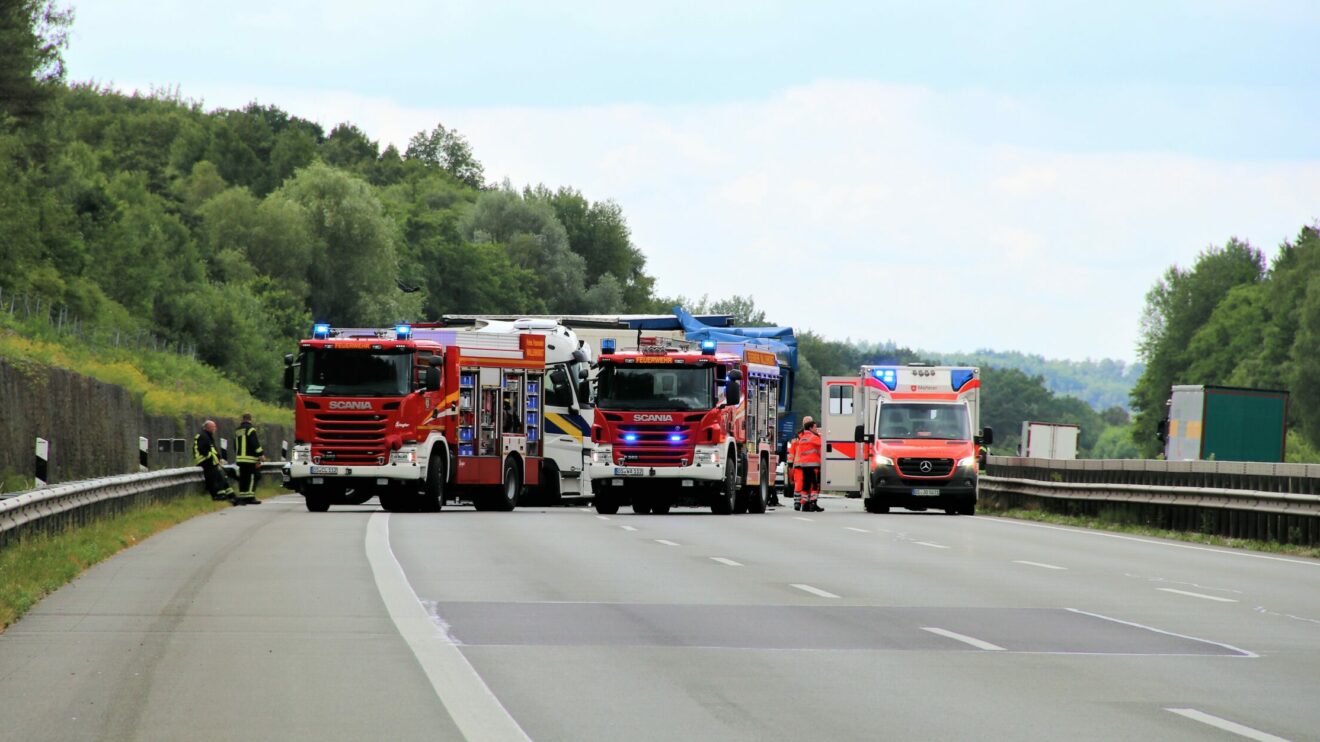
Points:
point(1225, 424)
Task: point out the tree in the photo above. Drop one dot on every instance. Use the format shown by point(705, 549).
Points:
point(1304, 376)
point(349, 148)
point(449, 151)
point(599, 233)
point(534, 240)
point(33, 34)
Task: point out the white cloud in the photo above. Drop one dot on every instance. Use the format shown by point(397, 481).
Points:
point(875, 211)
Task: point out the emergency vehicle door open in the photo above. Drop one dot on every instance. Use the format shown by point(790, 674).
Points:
point(840, 410)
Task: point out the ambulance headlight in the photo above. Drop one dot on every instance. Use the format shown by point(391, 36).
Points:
point(968, 463)
point(883, 460)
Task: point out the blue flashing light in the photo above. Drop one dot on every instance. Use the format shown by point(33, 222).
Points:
point(403, 332)
point(960, 377)
point(708, 347)
point(675, 438)
point(321, 330)
point(630, 437)
point(607, 346)
point(886, 376)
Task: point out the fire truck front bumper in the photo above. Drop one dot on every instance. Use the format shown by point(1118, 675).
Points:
point(707, 469)
point(325, 474)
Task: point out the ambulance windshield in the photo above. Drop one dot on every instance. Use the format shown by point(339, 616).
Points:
point(909, 420)
point(656, 388)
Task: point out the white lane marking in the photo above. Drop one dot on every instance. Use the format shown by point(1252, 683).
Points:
point(1226, 725)
point(1229, 647)
point(814, 590)
point(798, 517)
point(1197, 595)
point(628, 528)
point(666, 542)
point(1086, 532)
point(965, 639)
point(1042, 565)
point(585, 510)
point(859, 530)
point(726, 562)
point(933, 546)
point(602, 517)
point(476, 711)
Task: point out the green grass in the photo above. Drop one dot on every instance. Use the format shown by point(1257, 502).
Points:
point(1112, 524)
point(36, 566)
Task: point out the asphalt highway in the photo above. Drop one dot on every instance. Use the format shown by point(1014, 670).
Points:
point(273, 623)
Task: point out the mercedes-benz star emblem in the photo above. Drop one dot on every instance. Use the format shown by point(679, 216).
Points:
point(925, 467)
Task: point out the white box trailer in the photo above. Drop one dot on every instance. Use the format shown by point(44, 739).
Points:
point(1049, 440)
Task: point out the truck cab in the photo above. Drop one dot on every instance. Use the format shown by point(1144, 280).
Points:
point(904, 436)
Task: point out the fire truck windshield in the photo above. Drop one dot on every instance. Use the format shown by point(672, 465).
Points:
point(656, 388)
point(908, 420)
point(356, 373)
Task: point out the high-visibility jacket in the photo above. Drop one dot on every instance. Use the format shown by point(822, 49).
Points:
point(204, 449)
point(808, 449)
point(791, 446)
point(247, 446)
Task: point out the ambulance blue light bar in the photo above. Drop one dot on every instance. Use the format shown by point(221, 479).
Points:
point(403, 332)
point(321, 330)
point(960, 377)
point(886, 376)
point(707, 347)
point(607, 346)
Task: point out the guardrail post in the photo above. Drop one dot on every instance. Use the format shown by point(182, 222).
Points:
point(224, 448)
point(284, 450)
point(42, 462)
point(143, 446)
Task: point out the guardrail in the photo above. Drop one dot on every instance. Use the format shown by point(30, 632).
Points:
point(1267, 502)
point(61, 506)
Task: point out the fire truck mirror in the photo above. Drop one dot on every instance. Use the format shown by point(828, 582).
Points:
point(732, 390)
point(432, 379)
point(288, 377)
point(288, 359)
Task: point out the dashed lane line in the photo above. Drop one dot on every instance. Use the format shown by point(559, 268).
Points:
point(965, 639)
point(813, 590)
point(666, 542)
point(1190, 594)
point(1042, 565)
point(628, 528)
point(602, 517)
point(1228, 726)
point(726, 562)
point(858, 530)
point(798, 517)
point(933, 546)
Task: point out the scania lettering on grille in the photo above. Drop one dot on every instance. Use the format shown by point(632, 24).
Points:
point(350, 405)
point(653, 418)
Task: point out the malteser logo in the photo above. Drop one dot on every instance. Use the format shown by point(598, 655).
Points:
point(350, 405)
point(653, 418)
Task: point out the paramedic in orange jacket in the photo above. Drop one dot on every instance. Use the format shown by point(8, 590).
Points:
point(807, 459)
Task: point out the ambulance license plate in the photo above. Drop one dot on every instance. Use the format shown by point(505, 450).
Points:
point(925, 493)
point(331, 470)
point(628, 471)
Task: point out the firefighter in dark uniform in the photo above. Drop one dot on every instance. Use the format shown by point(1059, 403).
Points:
point(207, 456)
point(248, 456)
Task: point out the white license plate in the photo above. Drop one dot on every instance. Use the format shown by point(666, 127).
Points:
point(925, 493)
point(628, 471)
point(332, 470)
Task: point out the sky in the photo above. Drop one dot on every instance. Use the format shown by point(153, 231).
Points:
point(950, 176)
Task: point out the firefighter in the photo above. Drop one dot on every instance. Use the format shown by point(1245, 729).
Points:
point(807, 459)
point(207, 456)
point(249, 456)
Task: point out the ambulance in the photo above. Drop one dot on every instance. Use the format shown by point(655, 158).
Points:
point(904, 436)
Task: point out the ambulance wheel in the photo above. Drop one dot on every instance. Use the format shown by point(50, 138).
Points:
point(726, 497)
point(759, 499)
point(874, 506)
point(317, 503)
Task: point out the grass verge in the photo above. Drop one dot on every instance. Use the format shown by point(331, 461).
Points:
point(1110, 524)
point(36, 566)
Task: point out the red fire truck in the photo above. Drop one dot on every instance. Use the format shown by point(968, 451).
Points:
point(677, 425)
point(416, 415)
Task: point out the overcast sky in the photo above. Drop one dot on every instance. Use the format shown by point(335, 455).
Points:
point(1007, 175)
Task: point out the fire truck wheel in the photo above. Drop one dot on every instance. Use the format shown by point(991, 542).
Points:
point(873, 506)
point(606, 505)
point(390, 503)
point(433, 494)
point(758, 499)
point(726, 498)
point(511, 488)
point(317, 503)
point(641, 503)
point(548, 493)
point(660, 505)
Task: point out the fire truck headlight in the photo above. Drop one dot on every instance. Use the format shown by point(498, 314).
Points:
point(302, 454)
point(602, 455)
point(711, 457)
point(403, 457)
point(968, 463)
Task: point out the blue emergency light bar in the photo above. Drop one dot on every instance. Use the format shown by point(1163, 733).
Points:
point(960, 377)
point(607, 346)
point(886, 376)
point(403, 332)
point(321, 330)
point(707, 347)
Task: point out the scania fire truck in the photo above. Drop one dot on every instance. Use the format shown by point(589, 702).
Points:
point(418, 414)
point(904, 436)
point(678, 424)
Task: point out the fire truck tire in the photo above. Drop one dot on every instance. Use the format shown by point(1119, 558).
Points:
point(390, 503)
point(317, 503)
point(433, 492)
point(874, 506)
point(758, 498)
point(660, 505)
point(726, 497)
point(606, 505)
point(549, 493)
point(641, 503)
point(511, 487)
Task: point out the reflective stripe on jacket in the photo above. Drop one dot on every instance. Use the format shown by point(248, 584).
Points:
point(808, 449)
point(792, 445)
point(247, 445)
point(204, 449)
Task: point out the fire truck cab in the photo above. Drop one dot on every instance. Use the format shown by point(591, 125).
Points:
point(904, 436)
point(417, 415)
point(683, 425)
